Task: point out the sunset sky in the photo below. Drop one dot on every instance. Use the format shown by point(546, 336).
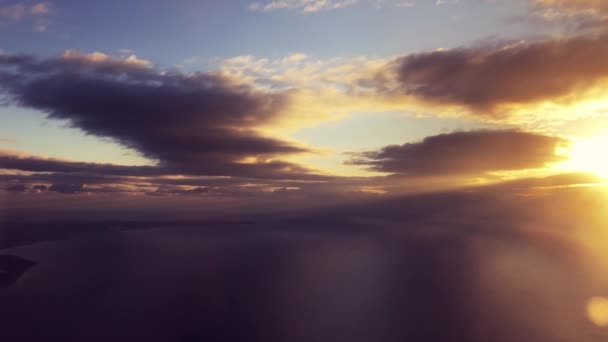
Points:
point(304, 170)
point(241, 99)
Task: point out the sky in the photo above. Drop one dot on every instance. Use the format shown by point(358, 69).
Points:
point(244, 99)
point(297, 170)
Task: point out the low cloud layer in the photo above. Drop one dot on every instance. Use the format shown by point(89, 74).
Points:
point(474, 152)
point(16, 161)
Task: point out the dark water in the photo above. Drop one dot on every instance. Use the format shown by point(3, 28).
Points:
point(255, 284)
point(456, 267)
point(11, 268)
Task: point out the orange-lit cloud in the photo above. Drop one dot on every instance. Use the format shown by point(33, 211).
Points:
point(513, 82)
point(473, 153)
point(497, 80)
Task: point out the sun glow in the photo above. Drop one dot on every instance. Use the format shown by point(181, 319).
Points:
point(589, 155)
point(597, 311)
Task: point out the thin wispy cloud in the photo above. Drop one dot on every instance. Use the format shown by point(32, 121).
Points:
point(446, 2)
point(313, 6)
point(306, 6)
point(22, 10)
point(574, 15)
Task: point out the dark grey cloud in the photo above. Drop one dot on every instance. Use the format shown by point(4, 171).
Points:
point(102, 181)
point(21, 184)
point(488, 77)
point(191, 123)
point(40, 179)
point(79, 188)
point(27, 185)
point(16, 188)
point(235, 191)
point(471, 152)
point(95, 172)
point(168, 191)
point(67, 188)
point(36, 164)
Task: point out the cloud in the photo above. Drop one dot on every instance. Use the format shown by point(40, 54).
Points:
point(306, 6)
point(298, 70)
point(129, 60)
point(267, 170)
point(446, 2)
point(167, 191)
point(496, 80)
point(473, 152)
point(507, 81)
point(314, 6)
point(41, 8)
point(27, 185)
point(582, 15)
point(22, 10)
point(16, 188)
point(592, 6)
point(23, 173)
point(16, 161)
point(320, 89)
point(67, 188)
point(199, 123)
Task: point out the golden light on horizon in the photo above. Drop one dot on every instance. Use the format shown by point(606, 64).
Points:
point(589, 155)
